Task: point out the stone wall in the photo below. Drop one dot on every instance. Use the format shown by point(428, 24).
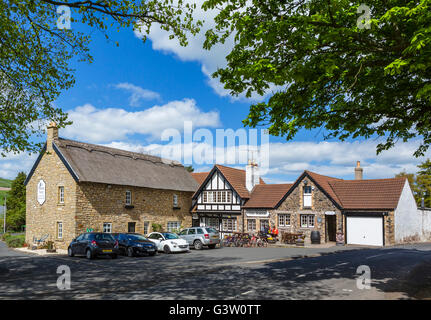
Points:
point(293, 205)
point(89, 205)
point(42, 219)
point(101, 203)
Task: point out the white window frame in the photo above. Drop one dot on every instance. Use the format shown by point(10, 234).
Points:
point(107, 226)
point(307, 197)
point(283, 218)
point(61, 194)
point(173, 225)
point(59, 229)
point(253, 224)
point(229, 224)
point(146, 227)
point(307, 220)
point(128, 197)
point(224, 196)
point(175, 200)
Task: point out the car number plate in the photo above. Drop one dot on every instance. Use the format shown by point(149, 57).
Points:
point(107, 250)
point(214, 237)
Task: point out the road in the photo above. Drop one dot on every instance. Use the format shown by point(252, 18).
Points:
point(402, 272)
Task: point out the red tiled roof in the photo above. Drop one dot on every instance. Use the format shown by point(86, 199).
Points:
point(199, 176)
point(267, 195)
point(236, 178)
point(368, 194)
point(324, 183)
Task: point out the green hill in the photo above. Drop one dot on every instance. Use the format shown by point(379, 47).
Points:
point(5, 183)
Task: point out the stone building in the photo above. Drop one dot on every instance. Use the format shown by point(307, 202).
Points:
point(364, 211)
point(76, 187)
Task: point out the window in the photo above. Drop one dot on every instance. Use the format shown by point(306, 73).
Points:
point(183, 233)
point(146, 225)
point(264, 223)
point(251, 224)
point(307, 196)
point(212, 222)
point(131, 226)
point(128, 197)
point(175, 201)
point(61, 194)
point(284, 220)
point(200, 231)
point(60, 230)
point(229, 224)
point(173, 225)
point(307, 220)
point(107, 227)
point(192, 231)
point(217, 196)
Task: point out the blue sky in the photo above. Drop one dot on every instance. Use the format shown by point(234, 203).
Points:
point(131, 93)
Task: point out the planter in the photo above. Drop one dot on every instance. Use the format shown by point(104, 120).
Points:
point(300, 241)
point(340, 239)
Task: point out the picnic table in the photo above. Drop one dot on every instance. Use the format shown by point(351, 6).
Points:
point(290, 238)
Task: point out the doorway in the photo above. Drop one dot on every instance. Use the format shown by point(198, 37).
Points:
point(131, 227)
point(331, 227)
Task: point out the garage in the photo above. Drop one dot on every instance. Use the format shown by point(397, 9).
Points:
point(364, 230)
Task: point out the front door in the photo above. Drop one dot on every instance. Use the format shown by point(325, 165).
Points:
point(331, 227)
point(131, 227)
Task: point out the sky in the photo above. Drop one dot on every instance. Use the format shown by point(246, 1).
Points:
point(139, 95)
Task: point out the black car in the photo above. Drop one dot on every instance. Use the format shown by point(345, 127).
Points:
point(132, 244)
point(93, 244)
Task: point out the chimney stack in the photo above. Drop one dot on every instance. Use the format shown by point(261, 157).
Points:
point(252, 177)
point(358, 171)
point(52, 135)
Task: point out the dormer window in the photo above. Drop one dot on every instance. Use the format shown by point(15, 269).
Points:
point(128, 198)
point(307, 196)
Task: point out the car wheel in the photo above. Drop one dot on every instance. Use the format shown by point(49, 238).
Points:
point(89, 254)
point(130, 252)
point(211, 246)
point(198, 244)
point(114, 256)
point(70, 252)
point(166, 249)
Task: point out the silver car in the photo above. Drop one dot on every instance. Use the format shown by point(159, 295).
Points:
point(198, 237)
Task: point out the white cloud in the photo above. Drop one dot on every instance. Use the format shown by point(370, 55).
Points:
point(14, 163)
point(105, 125)
point(288, 160)
point(210, 60)
point(137, 93)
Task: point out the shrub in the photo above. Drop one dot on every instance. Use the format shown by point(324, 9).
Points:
point(4, 236)
point(15, 241)
point(156, 227)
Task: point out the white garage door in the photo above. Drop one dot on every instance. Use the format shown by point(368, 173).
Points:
point(365, 230)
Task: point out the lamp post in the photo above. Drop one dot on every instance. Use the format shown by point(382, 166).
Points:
point(4, 215)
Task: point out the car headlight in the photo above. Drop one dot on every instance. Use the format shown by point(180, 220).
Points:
point(139, 245)
point(173, 242)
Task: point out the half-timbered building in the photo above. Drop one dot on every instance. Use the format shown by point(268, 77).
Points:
point(222, 193)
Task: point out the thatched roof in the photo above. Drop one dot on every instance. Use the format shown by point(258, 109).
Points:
point(100, 164)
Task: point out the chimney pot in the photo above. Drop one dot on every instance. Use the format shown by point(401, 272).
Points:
point(358, 171)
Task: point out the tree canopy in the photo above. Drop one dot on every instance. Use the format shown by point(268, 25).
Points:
point(329, 67)
point(35, 54)
point(420, 183)
point(15, 215)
